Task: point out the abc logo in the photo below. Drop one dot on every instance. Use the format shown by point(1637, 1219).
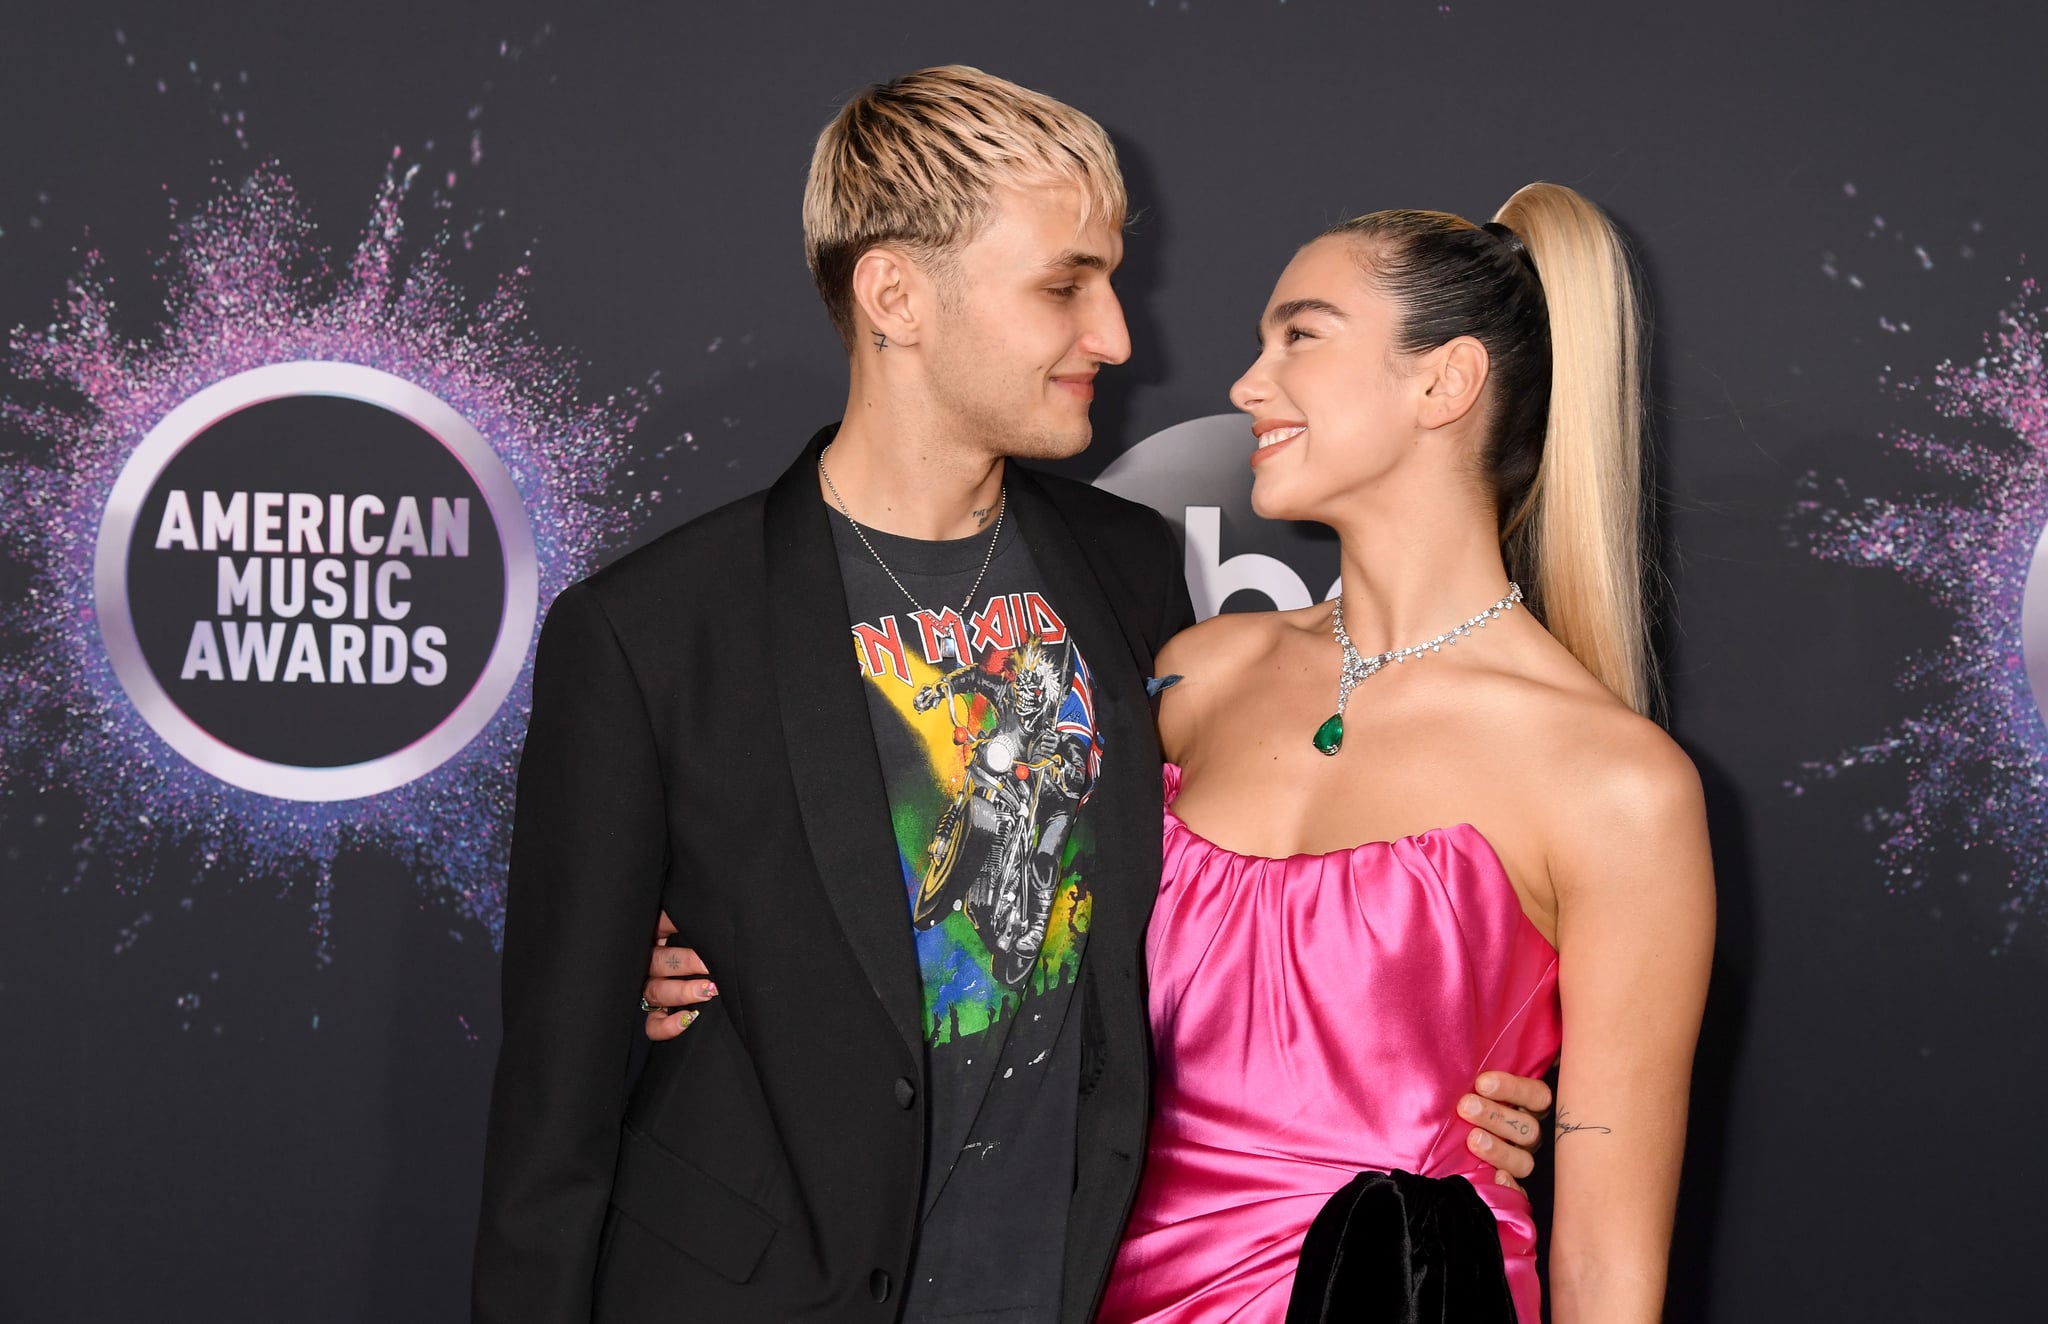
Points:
point(1198, 474)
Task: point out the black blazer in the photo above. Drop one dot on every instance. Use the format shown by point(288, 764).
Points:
point(700, 741)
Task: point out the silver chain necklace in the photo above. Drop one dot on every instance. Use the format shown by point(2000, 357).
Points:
point(1002, 502)
point(1329, 737)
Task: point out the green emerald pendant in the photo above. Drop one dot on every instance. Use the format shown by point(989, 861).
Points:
point(1329, 737)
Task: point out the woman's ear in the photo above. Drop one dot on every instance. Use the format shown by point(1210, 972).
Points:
point(889, 292)
point(1456, 381)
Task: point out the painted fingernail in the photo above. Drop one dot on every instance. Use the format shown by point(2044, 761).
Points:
point(689, 1019)
point(710, 989)
point(1469, 1106)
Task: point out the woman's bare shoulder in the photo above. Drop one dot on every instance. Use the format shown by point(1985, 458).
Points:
point(1219, 642)
point(1636, 794)
point(1633, 767)
point(1206, 662)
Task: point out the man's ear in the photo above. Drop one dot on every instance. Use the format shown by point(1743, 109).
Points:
point(1454, 381)
point(890, 295)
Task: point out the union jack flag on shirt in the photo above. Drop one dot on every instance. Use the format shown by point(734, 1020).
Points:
point(1077, 718)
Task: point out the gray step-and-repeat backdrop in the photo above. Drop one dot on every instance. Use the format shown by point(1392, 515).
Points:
point(345, 336)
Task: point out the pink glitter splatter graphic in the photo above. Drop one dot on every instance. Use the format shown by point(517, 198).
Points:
point(248, 284)
point(1975, 753)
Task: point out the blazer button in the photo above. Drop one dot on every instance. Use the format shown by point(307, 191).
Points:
point(878, 1285)
point(906, 1094)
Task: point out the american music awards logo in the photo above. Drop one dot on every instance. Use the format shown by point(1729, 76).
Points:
point(1969, 738)
point(286, 551)
point(315, 580)
point(2034, 624)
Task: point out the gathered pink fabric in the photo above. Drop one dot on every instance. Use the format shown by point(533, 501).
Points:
point(1312, 1018)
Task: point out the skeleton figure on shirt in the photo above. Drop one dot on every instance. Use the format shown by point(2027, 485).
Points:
point(1030, 755)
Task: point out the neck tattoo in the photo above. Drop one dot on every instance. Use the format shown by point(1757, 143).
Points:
point(1002, 502)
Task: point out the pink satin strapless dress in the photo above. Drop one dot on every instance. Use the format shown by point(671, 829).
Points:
point(1312, 1018)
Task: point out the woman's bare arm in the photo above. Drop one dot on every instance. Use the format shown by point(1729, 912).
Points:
point(1635, 894)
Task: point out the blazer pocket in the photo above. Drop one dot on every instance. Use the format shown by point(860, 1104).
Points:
point(688, 1209)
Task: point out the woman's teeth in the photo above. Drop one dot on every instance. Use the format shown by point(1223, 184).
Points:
point(1278, 435)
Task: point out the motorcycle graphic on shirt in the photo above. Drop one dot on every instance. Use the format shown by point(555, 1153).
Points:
point(1031, 758)
point(986, 724)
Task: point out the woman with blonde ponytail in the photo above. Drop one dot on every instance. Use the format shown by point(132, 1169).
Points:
point(1428, 831)
point(1585, 510)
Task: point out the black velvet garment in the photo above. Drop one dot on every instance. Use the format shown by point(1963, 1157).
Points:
point(1395, 1248)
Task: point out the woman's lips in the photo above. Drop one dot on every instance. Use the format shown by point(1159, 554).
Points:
point(1276, 438)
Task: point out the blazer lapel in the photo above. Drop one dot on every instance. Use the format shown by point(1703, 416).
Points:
point(1056, 546)
point(1115, 648)
point(1125, 810)
point(832, 756)
point(1124, 805)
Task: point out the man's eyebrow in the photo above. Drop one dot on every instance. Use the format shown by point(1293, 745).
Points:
point(1293, 308)
point(1074, 259)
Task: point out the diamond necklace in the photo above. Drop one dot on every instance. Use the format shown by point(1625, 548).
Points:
point(1329, 737)
point(1002, 501)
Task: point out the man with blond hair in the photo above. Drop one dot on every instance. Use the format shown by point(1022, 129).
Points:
point(879, 739)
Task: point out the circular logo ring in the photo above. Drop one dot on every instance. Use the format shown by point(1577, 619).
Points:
point(349, 381)
point(2034, 625)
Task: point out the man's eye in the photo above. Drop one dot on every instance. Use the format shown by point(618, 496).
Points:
point(1064, 291)
point(1294, 333)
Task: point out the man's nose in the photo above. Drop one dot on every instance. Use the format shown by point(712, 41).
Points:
point(1109, 339)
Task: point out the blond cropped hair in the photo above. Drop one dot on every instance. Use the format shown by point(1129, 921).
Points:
point(915, 163)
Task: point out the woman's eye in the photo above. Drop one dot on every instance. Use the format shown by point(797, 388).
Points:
point(1294, 333)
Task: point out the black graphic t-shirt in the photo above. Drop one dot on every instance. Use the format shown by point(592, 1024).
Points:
point(984, 715)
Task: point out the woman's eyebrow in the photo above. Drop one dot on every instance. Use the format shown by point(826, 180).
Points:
point(1280, 313)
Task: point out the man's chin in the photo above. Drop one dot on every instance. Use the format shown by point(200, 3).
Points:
point(1062, 443)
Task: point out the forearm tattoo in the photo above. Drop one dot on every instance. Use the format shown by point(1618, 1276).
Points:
point(1565, 1128)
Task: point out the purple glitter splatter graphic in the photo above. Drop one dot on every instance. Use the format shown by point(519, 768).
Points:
point(247, 284)
point(1975, 753)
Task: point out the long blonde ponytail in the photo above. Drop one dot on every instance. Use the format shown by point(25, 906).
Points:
point(1581, 530)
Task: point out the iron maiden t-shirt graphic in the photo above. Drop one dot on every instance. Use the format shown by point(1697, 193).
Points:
point(985, 721)
point(996, 711)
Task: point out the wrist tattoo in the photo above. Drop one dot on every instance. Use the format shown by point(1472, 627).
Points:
point(1565, 1128)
